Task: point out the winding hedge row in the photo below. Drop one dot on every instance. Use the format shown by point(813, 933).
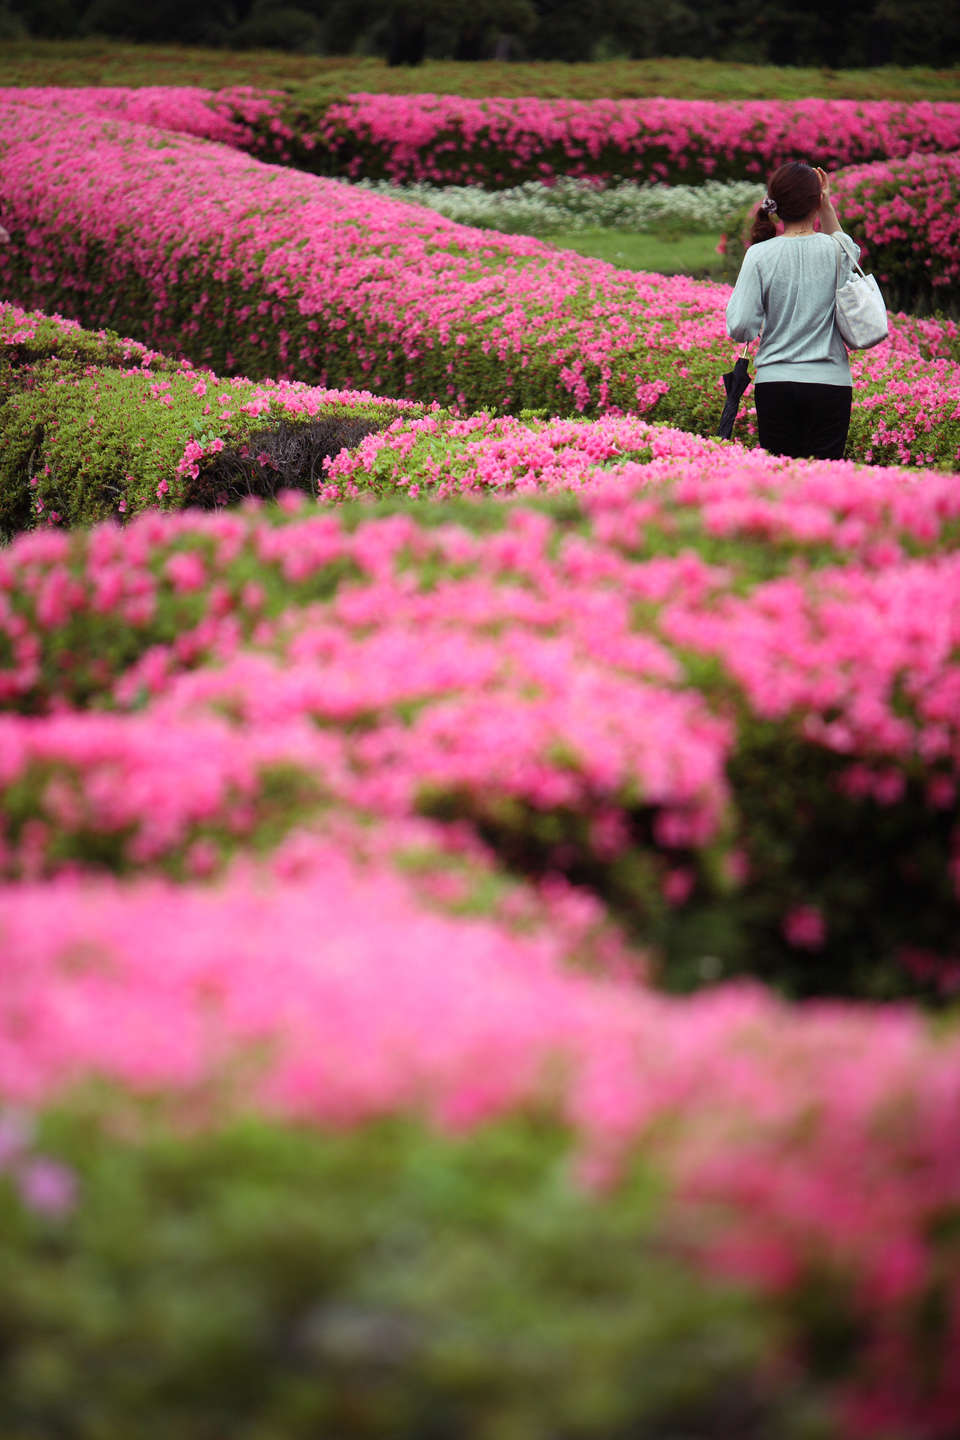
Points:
point(451, 139)
point(705, 1253)
point(94, 425)
point(245, 267)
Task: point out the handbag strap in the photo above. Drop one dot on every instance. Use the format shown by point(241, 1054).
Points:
point(842, 250)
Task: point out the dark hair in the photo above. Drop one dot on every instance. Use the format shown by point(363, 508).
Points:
point(796, 189)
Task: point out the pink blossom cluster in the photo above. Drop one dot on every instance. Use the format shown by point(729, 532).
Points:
point(908, 211)
point(229, 116)
point(44, 1185)
point(867, 513)
point(451, 139)
point(94, 778)
point(863, 642)
point(798, 1146)
point(254, 268)
point(584, 715)
point(20, 327)
point(498, 669)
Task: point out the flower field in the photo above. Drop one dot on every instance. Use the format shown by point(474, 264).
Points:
point(479, 857)
point(365, 292)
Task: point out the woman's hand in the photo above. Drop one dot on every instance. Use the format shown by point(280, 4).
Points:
point(829, 223)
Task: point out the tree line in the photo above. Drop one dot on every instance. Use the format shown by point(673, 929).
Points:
point(777, 32)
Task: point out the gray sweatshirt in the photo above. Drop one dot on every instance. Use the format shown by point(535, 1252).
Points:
point(786, 287)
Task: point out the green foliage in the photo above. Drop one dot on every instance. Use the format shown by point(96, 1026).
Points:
point(278, 27)
point(192, 22)
point(85, 439)
point(267, 1283)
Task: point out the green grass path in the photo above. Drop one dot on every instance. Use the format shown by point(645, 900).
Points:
point(106, 62)
point(687, 254)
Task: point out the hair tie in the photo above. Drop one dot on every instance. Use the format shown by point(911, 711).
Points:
point(768, 205)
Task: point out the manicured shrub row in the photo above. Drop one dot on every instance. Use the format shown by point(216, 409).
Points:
point(356, 290)
point(454, 140)
point(93, 426)
point(807, 1156)
point(186, 109)
point(726, 489)
point(716, 690)
point(30, 336)
point(95, 790)
point(907, 212)
point(495, 142)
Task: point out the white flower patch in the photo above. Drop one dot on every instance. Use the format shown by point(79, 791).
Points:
point(536, 208)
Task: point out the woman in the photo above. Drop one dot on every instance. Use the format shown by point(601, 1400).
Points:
point(786, 288)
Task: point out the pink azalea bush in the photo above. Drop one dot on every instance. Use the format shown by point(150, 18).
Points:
point(495, 142)
point(905, 212)
point(367, 292)
point(606, 684)
point(30, 335)
point(802, 1151)
point(95, 425)
point(228, 116)
point(441, 456)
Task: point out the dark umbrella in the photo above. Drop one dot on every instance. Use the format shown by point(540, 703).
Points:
point(735, 382)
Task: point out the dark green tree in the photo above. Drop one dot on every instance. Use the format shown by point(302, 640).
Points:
point(646, 29)
point(186, 22)
point(48, 19)
point(921, 32)
point(408, 30)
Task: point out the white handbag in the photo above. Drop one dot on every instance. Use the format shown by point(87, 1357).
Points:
point(861, 313)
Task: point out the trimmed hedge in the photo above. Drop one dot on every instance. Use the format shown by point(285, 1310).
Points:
point(906, 214)
point(498, 142)
point(94, 425)
point(676, 683)
point(265, 1276)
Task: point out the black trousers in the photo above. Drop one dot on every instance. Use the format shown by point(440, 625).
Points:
point(808, 422)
